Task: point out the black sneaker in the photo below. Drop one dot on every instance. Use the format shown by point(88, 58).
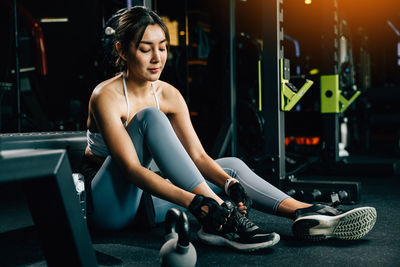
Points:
point(238, 233)
point(321, 222)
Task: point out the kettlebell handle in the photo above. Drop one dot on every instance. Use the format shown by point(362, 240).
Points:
point(176, 221)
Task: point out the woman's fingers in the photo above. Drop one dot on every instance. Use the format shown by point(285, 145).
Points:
point(242, 209)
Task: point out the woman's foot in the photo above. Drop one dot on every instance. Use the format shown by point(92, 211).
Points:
point(238, 233)
point(321, 222)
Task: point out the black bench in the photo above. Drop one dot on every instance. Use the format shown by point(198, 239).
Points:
point(41, 164)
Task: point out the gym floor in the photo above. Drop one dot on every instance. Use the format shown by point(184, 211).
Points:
point(20, 242)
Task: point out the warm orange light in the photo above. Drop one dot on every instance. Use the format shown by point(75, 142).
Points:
point(308, 141)
point(307, 2)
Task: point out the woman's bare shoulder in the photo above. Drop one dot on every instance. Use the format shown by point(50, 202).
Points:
point(166, 90)
point(171, 98)
point(108, 88)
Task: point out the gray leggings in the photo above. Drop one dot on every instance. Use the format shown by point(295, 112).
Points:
point(116, 201)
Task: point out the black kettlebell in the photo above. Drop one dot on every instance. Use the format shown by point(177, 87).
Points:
point(177, 250)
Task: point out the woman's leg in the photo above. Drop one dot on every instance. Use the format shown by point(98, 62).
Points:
point(265, 196)
point(171, 158)
point(312, 222)
point(115, 200)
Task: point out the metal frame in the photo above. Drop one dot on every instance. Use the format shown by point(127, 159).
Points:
point(146, 3)
point(17, 67)
point(330, 120)
point(232, 75)
point(330, 45)
point(228, 129)
point(274, 135)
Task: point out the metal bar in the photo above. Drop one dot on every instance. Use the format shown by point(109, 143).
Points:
point(222, 140)
point(330, 66)
point(232, 76)
point(330, 125)
point(274, 133)
point(53, 20)
point(148, 4)
point(27, 69)
point(17, 72)
point(186, 54)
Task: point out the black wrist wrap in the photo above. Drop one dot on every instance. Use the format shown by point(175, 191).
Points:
point(216, 215)
point(238, 194)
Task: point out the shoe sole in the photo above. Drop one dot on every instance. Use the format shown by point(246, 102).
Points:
point(350, 225)
point(216, 240)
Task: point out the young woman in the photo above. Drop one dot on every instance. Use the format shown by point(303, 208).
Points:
point(135, 117)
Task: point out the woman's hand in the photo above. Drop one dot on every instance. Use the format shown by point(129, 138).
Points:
point(208, 212)
point(238, 195)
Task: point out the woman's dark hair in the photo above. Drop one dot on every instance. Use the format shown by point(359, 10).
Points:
point(131, 26)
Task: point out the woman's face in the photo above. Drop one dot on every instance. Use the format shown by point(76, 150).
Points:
point(147, 61)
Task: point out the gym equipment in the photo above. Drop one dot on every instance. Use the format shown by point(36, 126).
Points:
point(73, 142)
point(250, 122)
point(45, 176)
point(316, 195)
point(338, 86)
point(177, 250)
point(17, 66)
point(107, 41)
point(107, 37)
point(79, 183)
point(274, 135)
point(275, 74)
point(24, 94)
point(229, 127)
point(28, 111)
point(345, 192)
point(146, 3)
point(290, 94)
point(4, 87)
point(279, 95)
point(333, 104)
point(332, 98)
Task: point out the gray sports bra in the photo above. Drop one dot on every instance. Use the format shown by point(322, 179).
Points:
point(95, 141)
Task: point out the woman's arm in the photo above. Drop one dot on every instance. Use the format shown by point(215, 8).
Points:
point(180, 120)
point(105, 110)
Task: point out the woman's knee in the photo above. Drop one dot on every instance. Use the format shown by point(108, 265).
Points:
point(146, 117)
point(231, 162)
point(151, 114)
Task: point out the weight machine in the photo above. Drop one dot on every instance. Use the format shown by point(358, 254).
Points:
point(276, 96)
point(281, 95)
point(338, 92)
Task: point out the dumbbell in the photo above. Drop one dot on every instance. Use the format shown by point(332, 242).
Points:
point(296, 194)
point(343, 195)
point(316, 195)
point(177, 250)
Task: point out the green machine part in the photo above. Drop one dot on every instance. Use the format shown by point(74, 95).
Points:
point(332, 101)
point(290, 95)
point(259, 86)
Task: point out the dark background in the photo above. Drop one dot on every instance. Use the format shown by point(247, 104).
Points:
point(76, 64)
